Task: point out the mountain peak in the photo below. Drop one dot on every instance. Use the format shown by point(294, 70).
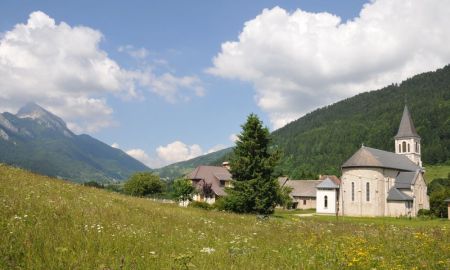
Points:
point(43, 117)
point(32, 110)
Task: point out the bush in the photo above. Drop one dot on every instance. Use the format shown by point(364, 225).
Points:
point(219, 204)
point(182, 190)
point(202, 205)
point(93, 184)
point(142, 184)
point(424, 213)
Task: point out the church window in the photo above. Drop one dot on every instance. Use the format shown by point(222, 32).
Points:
point(353, 191)
point(408, 148)
point(399, 148)
point(325, 202)
point(367, 191)
point(304, 202)
point(404, 146)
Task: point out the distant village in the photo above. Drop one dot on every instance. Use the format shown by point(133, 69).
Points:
point(373, 182)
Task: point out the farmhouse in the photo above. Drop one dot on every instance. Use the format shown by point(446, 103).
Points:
point(210, 182)
point(381, 183)
point(303, 192)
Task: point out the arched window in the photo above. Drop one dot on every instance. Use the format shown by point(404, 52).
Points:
point(408, 148)
point(399, 148)
point(404, 147)
point(417, 147)
point(353, 191)
point(325, 201)
point(367, 191)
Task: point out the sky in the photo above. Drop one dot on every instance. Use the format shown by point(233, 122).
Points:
point(167, 81)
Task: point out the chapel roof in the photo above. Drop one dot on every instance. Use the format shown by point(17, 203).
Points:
point(406, 128)
point(371, 157)
point(405, 179)
point(327, 184)
point(396, 195)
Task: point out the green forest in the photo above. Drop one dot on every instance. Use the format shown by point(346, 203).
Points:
point(321, 141)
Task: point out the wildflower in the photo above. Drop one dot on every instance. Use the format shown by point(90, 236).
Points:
point(207, 250)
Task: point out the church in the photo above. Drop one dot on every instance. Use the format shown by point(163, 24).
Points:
point(380, 183)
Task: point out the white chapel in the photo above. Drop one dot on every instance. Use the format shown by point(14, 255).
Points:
point(380, 183)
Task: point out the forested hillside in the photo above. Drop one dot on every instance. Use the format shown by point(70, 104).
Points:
point(322, 140)
point(319, 142)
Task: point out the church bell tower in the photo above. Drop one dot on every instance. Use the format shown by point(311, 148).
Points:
point(407, 141)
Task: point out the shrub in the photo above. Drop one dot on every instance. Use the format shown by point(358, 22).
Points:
point(142, 184)
point(93, 184)
point(219, 204)
point(202, 205)
point(424, 213)
point(182, 190)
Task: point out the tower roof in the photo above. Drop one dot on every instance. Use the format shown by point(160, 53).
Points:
point(406, 128)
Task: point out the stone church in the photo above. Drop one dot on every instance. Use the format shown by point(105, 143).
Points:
point(380, 183)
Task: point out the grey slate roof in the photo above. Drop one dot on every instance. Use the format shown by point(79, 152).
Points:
point(327, 184)
point(371, 157)
point(448, 200)
point(396, 195)
point(211, 175)
point(300, 188)
point(405, 179)
point(406, 128)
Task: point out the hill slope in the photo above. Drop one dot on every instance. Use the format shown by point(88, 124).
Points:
point(39, 141)
point(181, 168)
point(51, 224)
point(322, 140)
point(319, 142)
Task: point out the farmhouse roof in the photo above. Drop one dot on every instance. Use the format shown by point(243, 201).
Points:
point(396, 195)
point(327, 184)
point(371, 157)
point(406, 128)
point(300, 188)
point(211, 175)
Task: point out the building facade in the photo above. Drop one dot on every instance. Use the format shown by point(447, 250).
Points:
point(381, 183)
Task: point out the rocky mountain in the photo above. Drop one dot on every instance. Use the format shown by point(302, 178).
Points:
point(40, 141)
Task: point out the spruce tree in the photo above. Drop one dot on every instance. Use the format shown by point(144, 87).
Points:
point(255, 189)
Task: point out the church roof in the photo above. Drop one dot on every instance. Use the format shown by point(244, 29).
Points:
point(396, 195)
point(371, 157)
point(406, 128)
point(405, 179)
point(327, 184)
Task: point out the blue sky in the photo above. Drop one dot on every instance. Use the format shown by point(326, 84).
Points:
point(176, 91)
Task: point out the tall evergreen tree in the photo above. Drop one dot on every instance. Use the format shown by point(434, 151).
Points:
point(255, 189)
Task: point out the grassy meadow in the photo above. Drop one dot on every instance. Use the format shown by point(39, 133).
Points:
point(52, 224)
point(436, 171)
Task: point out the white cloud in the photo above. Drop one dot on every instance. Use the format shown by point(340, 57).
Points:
point(140, 155)
point(233, 138)
point(178, 151)
point(299, 61)
point(137, 53)
point(115, 145)
point(216, 148)
point(171, 153)
point(62, 68)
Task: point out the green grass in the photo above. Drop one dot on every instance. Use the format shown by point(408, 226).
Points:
point(51, 224)
point(436, 171)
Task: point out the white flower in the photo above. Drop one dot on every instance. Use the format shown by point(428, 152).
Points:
point(207, 250)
